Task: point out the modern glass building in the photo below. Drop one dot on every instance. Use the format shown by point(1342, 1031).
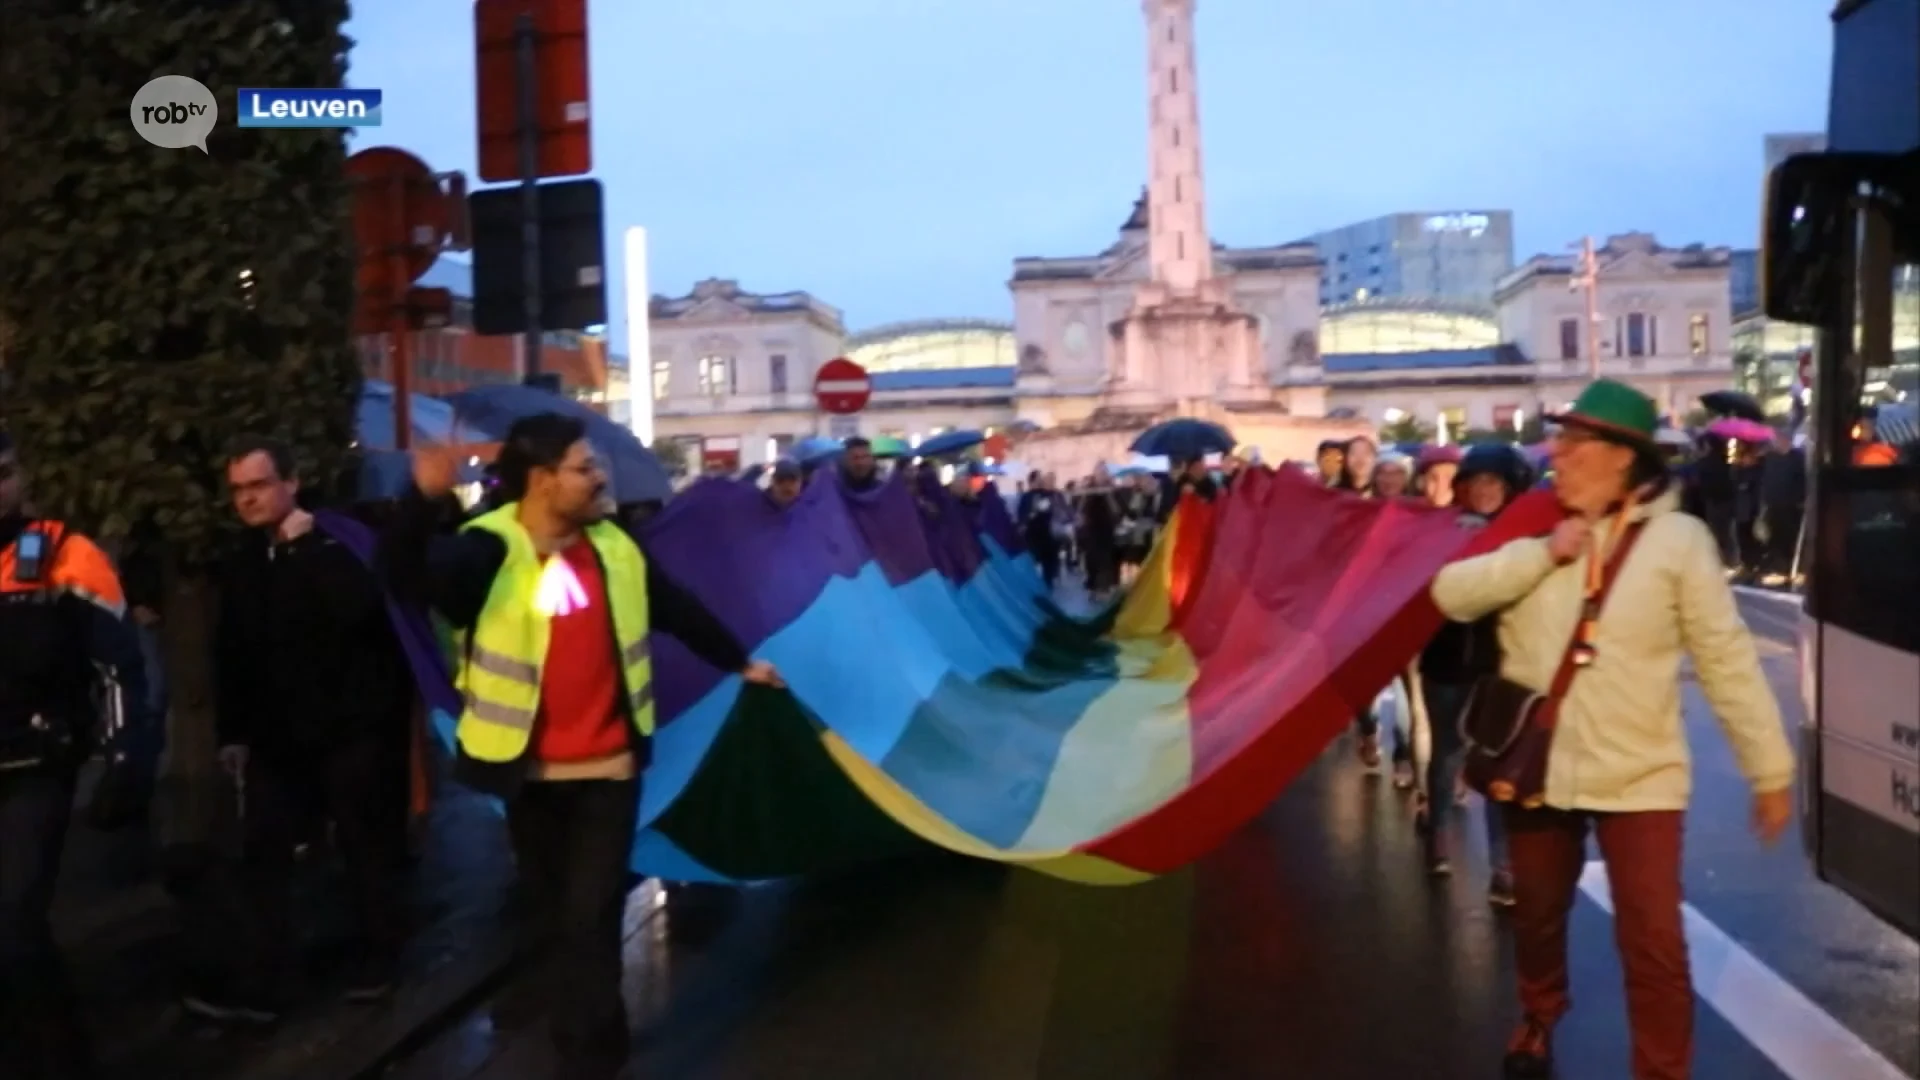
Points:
point(1454, 255)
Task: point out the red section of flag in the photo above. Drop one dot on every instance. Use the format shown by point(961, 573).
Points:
point(1192, 547)
point(1310, 601)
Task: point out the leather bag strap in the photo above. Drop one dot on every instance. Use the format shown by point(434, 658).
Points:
point(1594, 602)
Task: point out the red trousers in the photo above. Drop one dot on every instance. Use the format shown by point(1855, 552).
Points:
point(1642, 855)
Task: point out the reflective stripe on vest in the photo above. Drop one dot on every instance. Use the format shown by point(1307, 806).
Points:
point(500, 673)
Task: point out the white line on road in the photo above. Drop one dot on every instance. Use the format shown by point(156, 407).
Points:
point(1784, 599)
point(1798, 1036)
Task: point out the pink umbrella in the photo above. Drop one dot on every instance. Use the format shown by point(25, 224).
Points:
point(1740, 430)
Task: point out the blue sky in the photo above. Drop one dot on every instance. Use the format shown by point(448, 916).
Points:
point(893, 156)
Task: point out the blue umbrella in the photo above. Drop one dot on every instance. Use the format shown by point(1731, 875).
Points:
point(949, 442)
point(1184, 439)
point(816, 448)
point(634, 473)
point(432, 420)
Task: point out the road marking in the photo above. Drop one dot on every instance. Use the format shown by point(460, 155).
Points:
point(1784, 599)
point(1798, 1036)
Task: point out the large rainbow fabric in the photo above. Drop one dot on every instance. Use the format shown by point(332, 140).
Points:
point(937, 695)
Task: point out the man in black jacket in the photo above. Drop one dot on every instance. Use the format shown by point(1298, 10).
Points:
point(315, 700)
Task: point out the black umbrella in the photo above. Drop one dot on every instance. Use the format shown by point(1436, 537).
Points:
point(1735, 404)
point(1184, 439)
point(633, 472)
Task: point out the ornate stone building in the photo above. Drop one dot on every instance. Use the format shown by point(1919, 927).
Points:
point(1665, 320)
point(1165, 322)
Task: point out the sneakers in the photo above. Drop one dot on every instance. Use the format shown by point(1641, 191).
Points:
point(223, 1009)
point(1500, 889)
point(1529, 1052)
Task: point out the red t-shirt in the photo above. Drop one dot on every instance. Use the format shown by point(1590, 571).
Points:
point(580, 716)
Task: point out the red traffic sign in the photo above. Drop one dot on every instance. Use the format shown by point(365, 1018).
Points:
point(400, 219)
point(841, 387)
point(565, 142)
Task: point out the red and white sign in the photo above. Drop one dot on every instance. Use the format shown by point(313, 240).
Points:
point(841, 387)
point(720, 453)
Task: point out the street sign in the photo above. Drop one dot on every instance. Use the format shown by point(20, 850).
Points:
point(557, 54)
point(841, 387)
point(573, 279)
point(843, 427)
point(400, 220)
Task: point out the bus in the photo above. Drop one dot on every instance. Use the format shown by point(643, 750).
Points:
point(1842, 256)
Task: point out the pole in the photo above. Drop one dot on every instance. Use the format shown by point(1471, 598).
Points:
point(397, 317)
point(525, 41)
point(1590, 277)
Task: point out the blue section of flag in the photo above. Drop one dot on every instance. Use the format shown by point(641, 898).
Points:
point(294, 108)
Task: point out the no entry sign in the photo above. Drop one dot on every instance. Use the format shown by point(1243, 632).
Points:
point(841, 387)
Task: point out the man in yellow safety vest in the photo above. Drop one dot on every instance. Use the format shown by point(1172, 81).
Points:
point(555, 605)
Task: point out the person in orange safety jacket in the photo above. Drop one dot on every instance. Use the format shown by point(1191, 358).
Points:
point(72, 682)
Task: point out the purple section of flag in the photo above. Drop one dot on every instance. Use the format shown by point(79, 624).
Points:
point(757, 566)
point(410, 625)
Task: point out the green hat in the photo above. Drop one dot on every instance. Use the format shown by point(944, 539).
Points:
point(1615, 411)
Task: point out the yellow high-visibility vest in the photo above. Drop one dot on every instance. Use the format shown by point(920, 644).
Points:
point(507, 649)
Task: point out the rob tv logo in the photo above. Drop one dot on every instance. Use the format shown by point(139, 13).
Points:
point(267, 108)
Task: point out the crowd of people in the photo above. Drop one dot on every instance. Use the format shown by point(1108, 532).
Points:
point(326, 663)
point(1599, 716)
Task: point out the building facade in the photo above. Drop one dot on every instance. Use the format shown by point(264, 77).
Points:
point(453, 358)
point(1664, 321)
point(732, 374)
point(1066, 309)
point(1454, 256)
point(1453, 369)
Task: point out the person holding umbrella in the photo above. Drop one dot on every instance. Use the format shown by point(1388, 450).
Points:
point(1185, 442)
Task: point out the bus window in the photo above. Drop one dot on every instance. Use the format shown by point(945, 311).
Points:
point(1867, 577)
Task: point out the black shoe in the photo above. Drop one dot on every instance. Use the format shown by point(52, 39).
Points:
point(1500, 890)
point(225, 1009)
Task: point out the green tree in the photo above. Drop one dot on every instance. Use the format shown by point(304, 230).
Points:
point(672, 455)
point(1407, 429)
point(162, 302)
point(1475, 436)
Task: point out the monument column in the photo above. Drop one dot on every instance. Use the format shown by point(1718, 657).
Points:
point(1178, 243)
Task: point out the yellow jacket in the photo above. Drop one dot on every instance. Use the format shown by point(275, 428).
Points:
point(1621, 744)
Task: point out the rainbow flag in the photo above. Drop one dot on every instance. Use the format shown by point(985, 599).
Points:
point(938, 696)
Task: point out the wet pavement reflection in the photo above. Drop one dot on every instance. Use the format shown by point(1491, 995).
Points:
point(1311, 945)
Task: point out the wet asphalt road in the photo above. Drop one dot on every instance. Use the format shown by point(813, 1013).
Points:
point(1310, 946)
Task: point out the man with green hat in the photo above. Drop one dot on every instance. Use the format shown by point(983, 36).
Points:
point(1639, 588)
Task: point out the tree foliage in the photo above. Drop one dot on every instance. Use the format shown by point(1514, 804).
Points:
point(672, 455)
point(159, 303)
point(1407, 429)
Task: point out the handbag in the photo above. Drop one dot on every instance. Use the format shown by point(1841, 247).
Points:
point(1508, 727)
